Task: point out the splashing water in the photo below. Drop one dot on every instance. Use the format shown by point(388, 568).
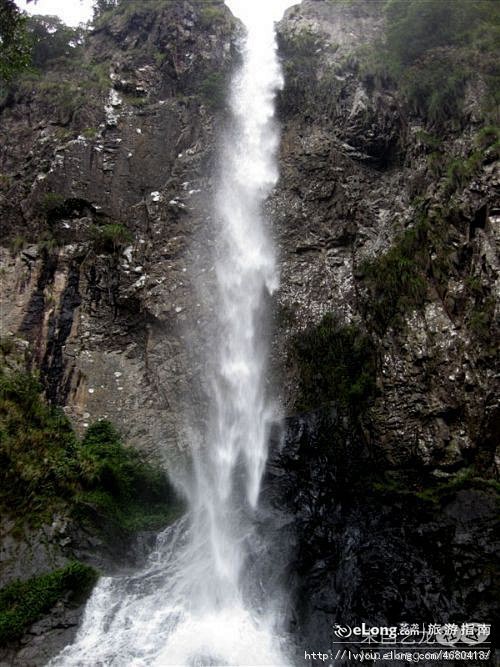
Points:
point(196, 602)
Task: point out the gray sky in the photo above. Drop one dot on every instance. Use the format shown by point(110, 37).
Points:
point(71, 12)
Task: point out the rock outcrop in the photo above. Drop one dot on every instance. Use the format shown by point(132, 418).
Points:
point(109, 162)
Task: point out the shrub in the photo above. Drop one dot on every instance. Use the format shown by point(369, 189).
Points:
point(17, 244)
point(336, 363)
point(461, 171)
point(7, 345)
point(301, 67)
point(63, 97)
point(51, 204)
point(90, 133)
point(213, 90)
point(482, 318)
point(435, 86)
point(396, 280)
point(117, 483)
point(44, 467)
point(432, 49)
point(210, 15)
point(487, 137)
point(24, 602)
point(110, 237)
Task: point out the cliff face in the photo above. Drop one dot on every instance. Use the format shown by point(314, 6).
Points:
point(357, 181)
point(108, 158)
point(387, 225)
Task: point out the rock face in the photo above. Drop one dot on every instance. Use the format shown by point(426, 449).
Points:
point(362, 551)
point(107, 171)
point(114, 178)
point(353, 166)
point(394, 504)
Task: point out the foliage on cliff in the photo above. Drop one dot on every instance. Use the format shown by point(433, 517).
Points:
point(422, 259)
point(336, 364)
point(14, 42)
point(433, 49)
point(24, 602)
point(46, 468)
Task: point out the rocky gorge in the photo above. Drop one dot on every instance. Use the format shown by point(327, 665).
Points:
point(385, 356)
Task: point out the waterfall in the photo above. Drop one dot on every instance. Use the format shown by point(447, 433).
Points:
point(196, 601)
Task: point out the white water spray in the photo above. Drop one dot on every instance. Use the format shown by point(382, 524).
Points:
point(194, 603)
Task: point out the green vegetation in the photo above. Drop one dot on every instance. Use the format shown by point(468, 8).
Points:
point(17, 244)
point(24, 602)
point(210, 15)
point(7, 345)
point(45, 468)
point(434, 86)
point(110, 237)
point(116, 483)
point(90, 133)
point(459, 171)
point(489, 138)
point(135, 100)
point(301, 59)
point(15, 53)
point(432, 49)
point(62, 97)
point(104, 10)
point(482, 318)
point(52, 204)
point(337, 364)
point(396, 280)
point(52, 40)
point(432, 491)
point(213, 90)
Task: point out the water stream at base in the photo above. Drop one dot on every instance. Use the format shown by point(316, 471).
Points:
point(199, 600)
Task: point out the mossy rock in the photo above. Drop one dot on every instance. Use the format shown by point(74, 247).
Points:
point(24, 602)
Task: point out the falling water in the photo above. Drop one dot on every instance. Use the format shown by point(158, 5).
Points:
point(195, 602)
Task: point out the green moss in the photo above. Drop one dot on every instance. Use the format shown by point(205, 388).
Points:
point(17, 244)
point(337, 364)
point(430, 491)
point(24, 602)
point(135, 100)
point(90, 133)
point(45, 468)
point(464, 479)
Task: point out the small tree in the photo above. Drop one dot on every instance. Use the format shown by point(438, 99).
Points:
point(15, 51)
